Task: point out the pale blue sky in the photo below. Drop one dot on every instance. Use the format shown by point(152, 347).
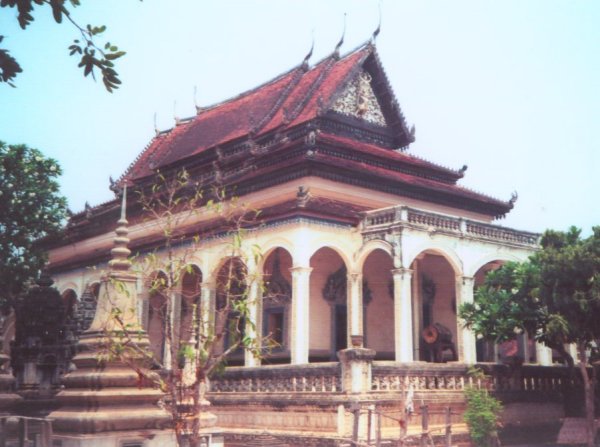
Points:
point(511, 88)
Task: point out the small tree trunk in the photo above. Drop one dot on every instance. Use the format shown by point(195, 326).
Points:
point(588, 390)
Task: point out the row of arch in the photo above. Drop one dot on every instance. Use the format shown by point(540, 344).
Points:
point(434, 300)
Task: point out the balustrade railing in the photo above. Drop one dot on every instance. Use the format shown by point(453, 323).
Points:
point(428, 221)
point(320, 378)
point(387, 377)
point(391, 377)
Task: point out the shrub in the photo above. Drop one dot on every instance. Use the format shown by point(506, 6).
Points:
point(482, 416)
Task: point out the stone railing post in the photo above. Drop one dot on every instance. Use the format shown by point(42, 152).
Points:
point(300, 325)
point(356, 369)
point(403, 326)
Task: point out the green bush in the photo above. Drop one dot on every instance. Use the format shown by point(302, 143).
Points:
point(482, 416)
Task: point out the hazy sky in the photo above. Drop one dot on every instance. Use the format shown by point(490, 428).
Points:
point(511, 88)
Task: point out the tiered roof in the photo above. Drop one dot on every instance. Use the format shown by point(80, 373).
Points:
point(292, 99)
point(292, 127)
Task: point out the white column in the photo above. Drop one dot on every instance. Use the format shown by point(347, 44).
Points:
point(543, 354)
point(464, 294)
point(355, 307)
point(403, 331)
point(251, 330)
point(207, 307)
point(300, 301)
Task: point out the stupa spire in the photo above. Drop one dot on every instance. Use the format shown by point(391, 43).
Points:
point(120, 252)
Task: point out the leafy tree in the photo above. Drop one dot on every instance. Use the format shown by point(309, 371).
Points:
point(31, 208)
point(93, 56)
point(554, 297)
point(197, 346)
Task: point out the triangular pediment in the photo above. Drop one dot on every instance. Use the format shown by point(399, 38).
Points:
point(359, 100)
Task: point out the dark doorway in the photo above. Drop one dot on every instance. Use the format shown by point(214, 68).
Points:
point(340, 327)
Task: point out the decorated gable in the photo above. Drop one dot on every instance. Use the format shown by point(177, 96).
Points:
point(359, 100)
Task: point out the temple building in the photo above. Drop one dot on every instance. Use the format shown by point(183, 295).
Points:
point(368, 248)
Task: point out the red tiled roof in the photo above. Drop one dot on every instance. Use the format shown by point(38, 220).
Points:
point(288, 100)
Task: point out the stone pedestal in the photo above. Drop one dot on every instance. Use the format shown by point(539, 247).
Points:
point(356, 369)
point(356, 381)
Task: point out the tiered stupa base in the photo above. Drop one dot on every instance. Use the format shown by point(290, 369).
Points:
point(107, 405)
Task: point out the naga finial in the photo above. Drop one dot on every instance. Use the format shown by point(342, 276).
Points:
point(336, 51)
point(309, 54)
point(156, 131)
point(88, 210)
point(378, 29)
point(462, 170)
point(513, 198)
point(198, 108)
point(175, 117)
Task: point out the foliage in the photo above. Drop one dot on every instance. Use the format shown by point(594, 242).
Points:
point(92, 56)
point(197, 342)
point(554, 296)
point(507, 304)
point(31, 208)
point(482, 415)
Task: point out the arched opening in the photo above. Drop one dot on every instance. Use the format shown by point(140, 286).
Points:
point(276, 303)
point(435, 322)
point(70, 303)
point(157, 309)
point(378, 304)
point(328, 313)
point(231, 288)
point(189, 311)
point(520, 350)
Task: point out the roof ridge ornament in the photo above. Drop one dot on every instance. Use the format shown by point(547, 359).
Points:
point(513, 198)
point(336, 51)
point(156, 131)
point(175, 117)
point(304, 64)
point(378, 29)
point(199, 109)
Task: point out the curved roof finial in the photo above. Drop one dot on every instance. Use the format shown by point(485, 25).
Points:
point(378, 29)
point(310, 52)
point(156, 131)
point(336, 52)
point(175, 117)
point(198, 108)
